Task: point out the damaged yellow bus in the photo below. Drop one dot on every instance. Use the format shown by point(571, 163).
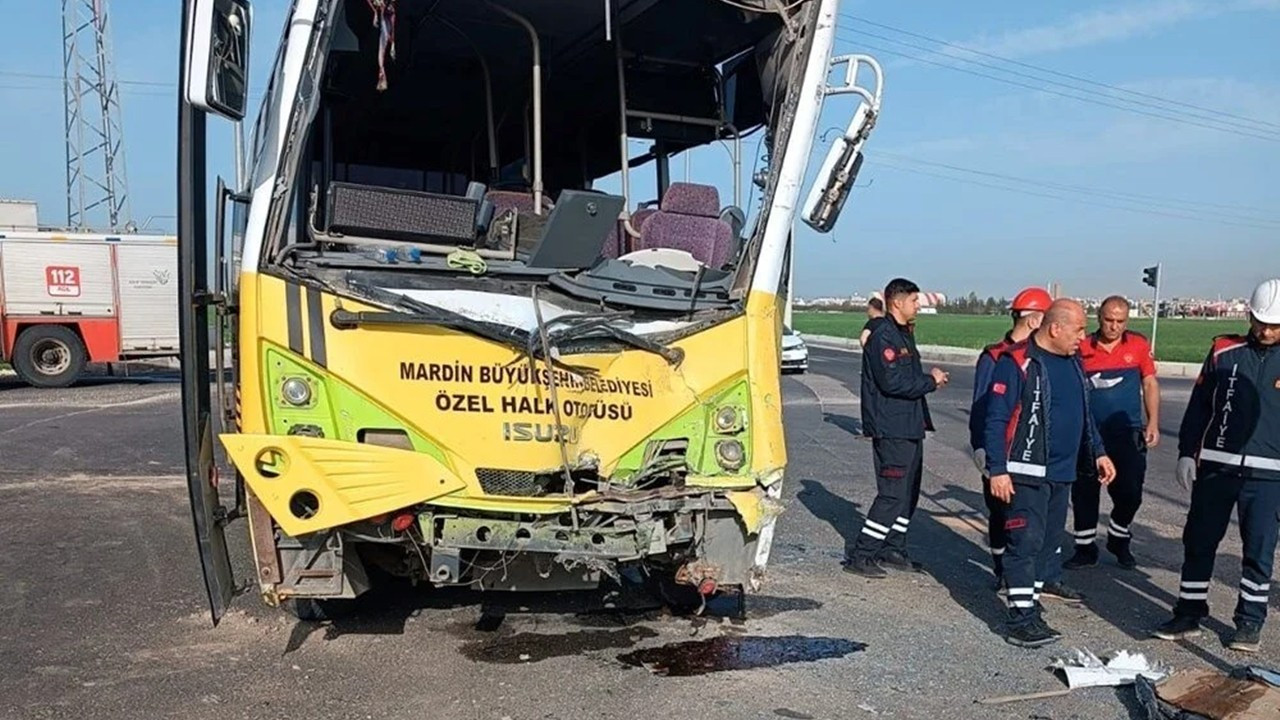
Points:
point(470, 343)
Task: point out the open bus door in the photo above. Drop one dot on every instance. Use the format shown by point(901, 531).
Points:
point(213, 75)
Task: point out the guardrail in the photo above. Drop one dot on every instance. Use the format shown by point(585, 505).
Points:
point(948, 355)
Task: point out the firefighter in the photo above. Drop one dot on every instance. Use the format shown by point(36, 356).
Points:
point(875, 314)
point(1027, 309)
point(1122, 385)
point(1229, 455)
point(1038, 431)
point(895, 416)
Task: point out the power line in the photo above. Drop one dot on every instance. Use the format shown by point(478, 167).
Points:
point(1082, 201)
point(1058, 73)
point(59, 79)
point(48, 88)
point(1157, 201)
point(1092, 101)
point(1213, 118)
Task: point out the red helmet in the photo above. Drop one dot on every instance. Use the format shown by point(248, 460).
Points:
point(1032, 298)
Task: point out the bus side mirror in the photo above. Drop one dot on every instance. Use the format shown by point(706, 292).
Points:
point(840, 168)
point(217, 78)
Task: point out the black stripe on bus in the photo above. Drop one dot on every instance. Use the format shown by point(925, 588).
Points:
point(293, 311)
point(315, 326)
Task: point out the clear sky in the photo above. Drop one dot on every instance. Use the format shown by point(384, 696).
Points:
point(986, 171)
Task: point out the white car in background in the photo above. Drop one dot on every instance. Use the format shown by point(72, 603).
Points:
point(795, 354)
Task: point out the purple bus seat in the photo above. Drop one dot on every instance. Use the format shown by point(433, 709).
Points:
point(689, 219)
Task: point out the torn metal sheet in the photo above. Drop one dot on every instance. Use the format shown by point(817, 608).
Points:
point(750, 508)
point(1084, 669)
point(754, 507)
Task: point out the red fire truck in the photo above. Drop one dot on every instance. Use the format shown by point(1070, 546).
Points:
point(68, 299)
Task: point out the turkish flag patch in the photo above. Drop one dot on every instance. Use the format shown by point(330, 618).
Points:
point(999, 388)
point(890, 355)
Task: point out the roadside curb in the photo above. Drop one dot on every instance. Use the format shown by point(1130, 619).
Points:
point(948, 355)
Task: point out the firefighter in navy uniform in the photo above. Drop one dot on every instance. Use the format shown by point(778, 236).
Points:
point(895, 416)
point(1229, 453)
point(1027, 309)
point(1039, 431)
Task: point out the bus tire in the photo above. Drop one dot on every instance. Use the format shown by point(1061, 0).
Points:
point(49, 356)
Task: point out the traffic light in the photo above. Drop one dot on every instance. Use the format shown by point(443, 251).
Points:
point(1150, 276)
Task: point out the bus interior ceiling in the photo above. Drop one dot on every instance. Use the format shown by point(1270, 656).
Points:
point(428, 130)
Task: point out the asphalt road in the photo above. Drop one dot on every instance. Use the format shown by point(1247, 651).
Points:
point(102, 611)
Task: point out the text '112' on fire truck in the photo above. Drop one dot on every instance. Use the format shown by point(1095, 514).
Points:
point(457, 358)
point(70, 297)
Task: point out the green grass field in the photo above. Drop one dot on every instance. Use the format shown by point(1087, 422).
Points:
point(1178, 340)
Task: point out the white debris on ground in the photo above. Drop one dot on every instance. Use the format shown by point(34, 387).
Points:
point(1084, 669)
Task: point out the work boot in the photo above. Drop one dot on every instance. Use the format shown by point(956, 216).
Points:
point(1180, 627)
point(1120, 548)
point(1058, 591)
point(899, 560)
point(1246, 638)
point(1085, 556)
point(1031, 635)
point(1047, 627)
point(865, 567)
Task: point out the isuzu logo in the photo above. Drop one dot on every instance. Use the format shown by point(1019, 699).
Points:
point(538, 432)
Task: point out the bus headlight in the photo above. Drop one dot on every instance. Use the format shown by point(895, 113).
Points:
point(296, 391)
point(728, 419)
point(730, 454)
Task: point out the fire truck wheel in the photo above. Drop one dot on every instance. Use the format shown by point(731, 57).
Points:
point(49, 356)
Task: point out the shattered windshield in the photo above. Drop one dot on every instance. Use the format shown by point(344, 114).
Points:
point(449, 164)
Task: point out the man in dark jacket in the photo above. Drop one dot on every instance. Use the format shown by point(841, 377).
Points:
point(895, 416)
point(1039, 431)
point(1027, 309)
point(1229, 453)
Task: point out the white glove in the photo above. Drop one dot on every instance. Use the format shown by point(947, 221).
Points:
point(980, 460)
point(1186, 472)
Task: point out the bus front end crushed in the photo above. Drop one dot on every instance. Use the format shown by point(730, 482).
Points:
point(430, 453)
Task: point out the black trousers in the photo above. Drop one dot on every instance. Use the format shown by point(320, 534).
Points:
point(1034, 524)
point(899, 466)
point(997, 538)
point(1257, 504)
point(1129, 453)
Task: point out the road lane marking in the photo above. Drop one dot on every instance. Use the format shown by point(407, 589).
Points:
point(830, 392)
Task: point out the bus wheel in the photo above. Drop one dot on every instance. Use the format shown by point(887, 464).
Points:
point(49, 356)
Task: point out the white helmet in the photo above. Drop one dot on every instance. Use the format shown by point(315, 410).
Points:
point(1265, 303)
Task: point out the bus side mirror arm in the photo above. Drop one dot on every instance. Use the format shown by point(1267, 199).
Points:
point(840, 167)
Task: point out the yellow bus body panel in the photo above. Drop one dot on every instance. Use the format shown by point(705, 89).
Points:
point(476, 399)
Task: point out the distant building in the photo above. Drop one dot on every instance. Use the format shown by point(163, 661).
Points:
point(19, 214)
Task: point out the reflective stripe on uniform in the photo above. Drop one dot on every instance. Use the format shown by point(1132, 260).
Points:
point(1023, 597)
point(1250, 461)
point(1031, 469)
point(876, 526)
